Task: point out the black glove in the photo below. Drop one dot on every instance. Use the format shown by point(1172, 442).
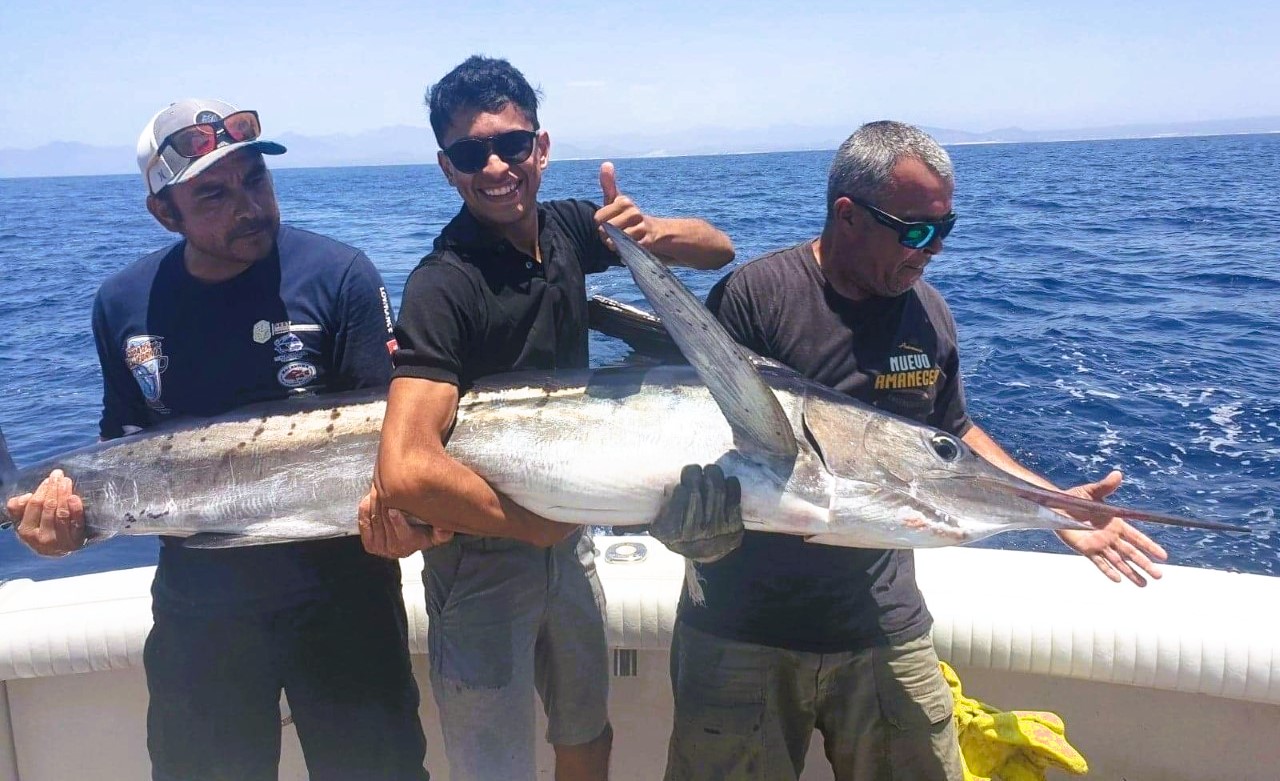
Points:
point(702, 517)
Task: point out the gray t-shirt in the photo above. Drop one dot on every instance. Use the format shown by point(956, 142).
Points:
point(898, 354)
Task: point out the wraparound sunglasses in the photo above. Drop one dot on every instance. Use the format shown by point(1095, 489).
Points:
point(915, 235)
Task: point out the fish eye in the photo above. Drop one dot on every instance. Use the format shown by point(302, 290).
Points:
point(946, 446)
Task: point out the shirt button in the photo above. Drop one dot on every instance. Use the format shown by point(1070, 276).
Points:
point(528, 264)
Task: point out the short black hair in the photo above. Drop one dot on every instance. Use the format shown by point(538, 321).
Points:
point(479, 84)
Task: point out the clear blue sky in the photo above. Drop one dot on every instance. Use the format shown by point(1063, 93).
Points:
point(95, 70)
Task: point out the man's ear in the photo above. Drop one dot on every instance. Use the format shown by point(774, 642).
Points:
point(165, 213)
point(543, 144)
point(845, 210)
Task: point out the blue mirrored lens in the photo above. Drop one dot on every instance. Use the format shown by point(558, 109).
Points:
point(917, 236)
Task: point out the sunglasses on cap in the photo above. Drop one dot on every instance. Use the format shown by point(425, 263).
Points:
point(200, 139)
point(915, 235)
point(471, 155)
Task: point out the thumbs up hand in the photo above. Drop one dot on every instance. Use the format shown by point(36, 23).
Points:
point(620, 211)
point(608, 183)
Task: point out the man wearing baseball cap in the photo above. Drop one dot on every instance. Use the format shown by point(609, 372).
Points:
point(240, 310)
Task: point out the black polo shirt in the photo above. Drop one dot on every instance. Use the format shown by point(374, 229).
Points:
point(478, 306)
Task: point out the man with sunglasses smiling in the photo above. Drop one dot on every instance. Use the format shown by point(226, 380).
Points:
point(243, 309)
point(513, 601)
point(792, 636)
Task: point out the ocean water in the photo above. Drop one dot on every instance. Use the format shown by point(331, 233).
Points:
point(1118, 305)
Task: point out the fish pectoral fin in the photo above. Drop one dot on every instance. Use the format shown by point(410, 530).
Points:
point(217, 541)
point(92, 536)
point(759, 424)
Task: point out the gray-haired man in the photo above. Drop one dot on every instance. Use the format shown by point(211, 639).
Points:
point(794, 636)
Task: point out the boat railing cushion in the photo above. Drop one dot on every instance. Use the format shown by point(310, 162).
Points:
point(1197, 631)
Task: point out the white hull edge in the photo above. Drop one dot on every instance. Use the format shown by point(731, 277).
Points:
point(1180, 680)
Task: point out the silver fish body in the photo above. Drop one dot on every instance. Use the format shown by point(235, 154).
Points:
point(272, 472)
point(591, 447)
point(603, 448)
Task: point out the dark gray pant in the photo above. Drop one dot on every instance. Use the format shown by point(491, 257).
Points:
point(746, 711)
point(343, 662)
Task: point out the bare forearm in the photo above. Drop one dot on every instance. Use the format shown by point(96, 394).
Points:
point(447, 495)
point(415, 474)
point(1117, 549)
point(989, 449)
point(690, 242)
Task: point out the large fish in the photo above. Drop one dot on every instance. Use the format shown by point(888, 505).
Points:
point(593, 446)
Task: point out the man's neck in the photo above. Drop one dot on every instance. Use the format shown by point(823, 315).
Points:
point(522, 235)
point(211, 270)
point(825, 252)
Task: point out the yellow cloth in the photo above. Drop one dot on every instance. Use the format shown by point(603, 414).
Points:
point(1009, 745)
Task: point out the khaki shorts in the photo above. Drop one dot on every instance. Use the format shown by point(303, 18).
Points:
point(745, 711)
point(506, 619)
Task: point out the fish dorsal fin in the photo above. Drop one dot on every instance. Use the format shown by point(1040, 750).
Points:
point(759, 425)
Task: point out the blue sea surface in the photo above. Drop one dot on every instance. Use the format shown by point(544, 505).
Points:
point(1118, 305)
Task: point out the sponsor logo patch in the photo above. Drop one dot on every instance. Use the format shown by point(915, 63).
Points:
point(207, 116)
point(289, 344)
point(296, 374)
point(263, 330)
point(290, 348)
point(144, 355)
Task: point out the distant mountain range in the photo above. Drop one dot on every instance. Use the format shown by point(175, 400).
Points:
point(403, 144)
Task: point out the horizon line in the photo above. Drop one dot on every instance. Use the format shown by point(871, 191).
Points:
point(658, 156)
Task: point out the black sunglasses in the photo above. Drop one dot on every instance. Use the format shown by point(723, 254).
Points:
point(915, 235)
point(470, 155)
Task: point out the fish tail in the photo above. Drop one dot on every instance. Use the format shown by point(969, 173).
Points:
point(8, 475)
point(8, 469)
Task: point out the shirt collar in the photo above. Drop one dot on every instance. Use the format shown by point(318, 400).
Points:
point(467, 234)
